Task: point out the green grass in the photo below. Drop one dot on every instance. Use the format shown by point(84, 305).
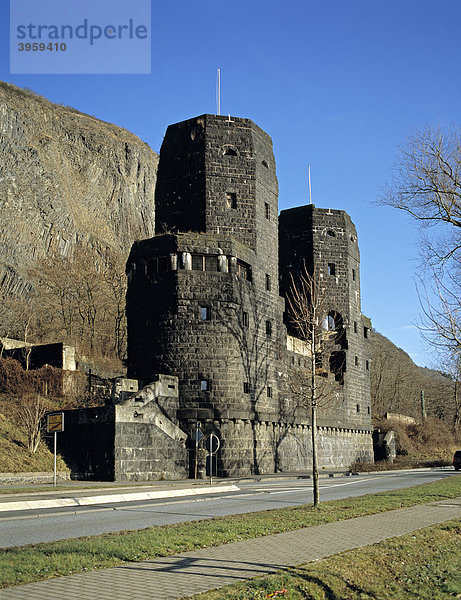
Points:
point(41, 561)
point(425, 564)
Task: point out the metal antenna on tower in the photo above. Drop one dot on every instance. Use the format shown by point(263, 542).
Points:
point(310, 191)
point(218, 91)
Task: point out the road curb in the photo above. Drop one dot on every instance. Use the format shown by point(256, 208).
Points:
point(112, 498)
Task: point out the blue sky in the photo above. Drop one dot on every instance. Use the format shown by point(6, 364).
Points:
point(338, 84)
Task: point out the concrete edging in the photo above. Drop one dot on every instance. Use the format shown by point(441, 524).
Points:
point(112, 498)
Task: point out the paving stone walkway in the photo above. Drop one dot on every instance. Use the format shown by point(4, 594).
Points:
point(193, 572)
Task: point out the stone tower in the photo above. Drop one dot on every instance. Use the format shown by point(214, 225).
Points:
point(326, 240)
point(203, 302)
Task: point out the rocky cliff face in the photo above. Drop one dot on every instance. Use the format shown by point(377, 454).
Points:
point(67, 180)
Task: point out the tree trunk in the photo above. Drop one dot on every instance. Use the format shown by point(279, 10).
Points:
point(315, 468)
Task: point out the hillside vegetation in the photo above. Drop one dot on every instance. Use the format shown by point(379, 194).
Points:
point(75, 193)
point(25, 396)
point(396, 385)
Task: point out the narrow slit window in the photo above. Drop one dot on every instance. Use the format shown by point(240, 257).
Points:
point(268, 282)
point(267, 210)
point(246, 387)
point(358, 408)
point(331, 269)
point(353, 275)
point(231, 200)
point(245, 319)
point(269, 392)
point(204, 385)
point(356, 361)
point(205, 313)
point(268, 328)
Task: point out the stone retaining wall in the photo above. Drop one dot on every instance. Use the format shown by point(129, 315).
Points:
point(40, 477)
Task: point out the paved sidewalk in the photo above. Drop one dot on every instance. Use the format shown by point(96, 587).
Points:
point(193, 572)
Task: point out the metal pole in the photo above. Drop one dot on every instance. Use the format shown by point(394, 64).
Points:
point(218, 92)
point(55, 441)
point(196, 453)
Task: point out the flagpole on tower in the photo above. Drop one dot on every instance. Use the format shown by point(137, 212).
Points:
point(218, 92)
point(310, 191)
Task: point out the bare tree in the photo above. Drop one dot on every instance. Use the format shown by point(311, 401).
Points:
point(427, 180)
point(316, 325)
point(427, 186)
point(441, 305)
point(81, 302)
point(30, 410)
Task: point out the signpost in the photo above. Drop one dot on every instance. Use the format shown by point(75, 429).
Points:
point(55, 424)
point(212, 445)
point(198, 435)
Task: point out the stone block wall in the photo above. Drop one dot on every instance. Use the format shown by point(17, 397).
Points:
point(134, 440)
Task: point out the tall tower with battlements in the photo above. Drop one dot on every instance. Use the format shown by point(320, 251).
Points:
point(205, 302)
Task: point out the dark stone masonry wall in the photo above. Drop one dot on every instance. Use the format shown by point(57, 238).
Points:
point(203, 302)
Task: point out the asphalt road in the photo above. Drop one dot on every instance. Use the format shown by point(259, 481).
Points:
point(27, 527)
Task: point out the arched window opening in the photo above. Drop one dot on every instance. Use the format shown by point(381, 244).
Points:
point(328, 323)
point(229, 151)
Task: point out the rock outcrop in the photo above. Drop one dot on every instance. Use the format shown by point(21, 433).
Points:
point(67, 180)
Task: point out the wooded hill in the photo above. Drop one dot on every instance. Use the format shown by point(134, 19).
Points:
point(396, 385)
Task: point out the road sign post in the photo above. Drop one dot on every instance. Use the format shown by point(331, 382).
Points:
point(198, 435)
point(212, 445)
point(55, 424)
